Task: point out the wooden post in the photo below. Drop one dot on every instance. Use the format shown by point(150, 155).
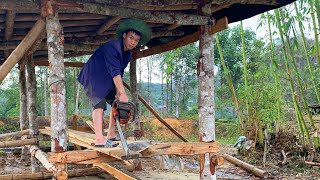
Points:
point(205, 73)
point(23, 105)
point(32, 106)
point(134, 95)
point(55, 41)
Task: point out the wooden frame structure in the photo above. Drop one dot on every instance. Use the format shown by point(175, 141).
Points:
point(78, 27)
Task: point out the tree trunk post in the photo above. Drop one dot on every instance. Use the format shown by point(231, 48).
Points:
point(23, 105)
point(205, 72)
point(134, 94)
point(32, 106)
point(55, 42)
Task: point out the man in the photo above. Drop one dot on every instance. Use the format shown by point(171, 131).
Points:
point(101, 76)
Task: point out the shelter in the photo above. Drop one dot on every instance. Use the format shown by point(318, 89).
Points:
point(34, 32)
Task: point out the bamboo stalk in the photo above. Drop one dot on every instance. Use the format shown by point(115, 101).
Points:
point(15, 143)
point(316, 37)
point(15, 134)
point(154, 112)
point(47, 175)
point(256, 171)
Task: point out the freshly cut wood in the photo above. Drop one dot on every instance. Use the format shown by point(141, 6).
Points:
point(43, 158)
point(113, 171)
point(90, 124)
point(80, 157)
point(46, 175)
point(256, 171)
point(154, 112)
point(15, 134)
point(15, 143)
point(220, 25)
point(22, 48)
point(183, 149)
point(312, 163)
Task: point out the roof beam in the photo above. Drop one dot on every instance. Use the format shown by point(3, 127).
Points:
point(108, 24)
point(221, 25)
point(127, 3)
point(22, 48)
point(9, 24)
point(160, 17)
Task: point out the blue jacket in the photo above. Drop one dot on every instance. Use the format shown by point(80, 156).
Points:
point(108, 61)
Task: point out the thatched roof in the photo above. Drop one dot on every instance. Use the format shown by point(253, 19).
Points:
point(90, 23)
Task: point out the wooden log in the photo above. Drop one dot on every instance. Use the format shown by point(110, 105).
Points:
point(47, 175)
point(108, 24)
point(154, 112)
point(9, 24)
point(219, 26)
point(161, 17)
point(69, 16)
point(128, 3)
point(63, 23)
point(22, 48)
point(113, 171)
point(75, 127)
point(80, 157)
point(256, 171)
point(15, 143)
point(312, 163)
point(43, 158)
point(15, 134)
point(176, 7)
point(172, 26)
point(182, 149)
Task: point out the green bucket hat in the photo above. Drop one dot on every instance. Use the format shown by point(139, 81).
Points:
point(137, 25)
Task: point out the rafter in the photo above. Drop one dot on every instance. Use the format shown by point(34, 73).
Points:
point(108, 24)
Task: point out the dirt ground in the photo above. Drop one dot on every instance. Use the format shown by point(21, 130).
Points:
point(153, 167)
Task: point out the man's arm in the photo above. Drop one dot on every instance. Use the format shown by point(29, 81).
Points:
point(121, 93)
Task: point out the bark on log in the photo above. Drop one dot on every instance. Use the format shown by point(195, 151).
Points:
point(161, 17)
point(47, 175)
point(15, 134)
point(205, 73)
point(69, 16)
point(9, 24)
point(15, 143)
point(22, 48)
point(127, 3)
point(43, 158)
point(134, 94)
point(256, 171)
point(154, 112)
point(32, 105)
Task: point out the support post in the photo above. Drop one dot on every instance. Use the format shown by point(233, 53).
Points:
point(205, 72)
point(23, 105)
point(134, 95)
point(55, 41)
point(32, 106)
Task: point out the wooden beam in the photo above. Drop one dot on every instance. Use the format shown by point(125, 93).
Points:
point(113, 171)
point(69, 23)
point(62, 16)
point(161, 17)
point(167, 33)
point(15, 143)
point(108, 24)
point(173, 26)
point(167, 7)
point(221, 25)
point(154, 112)
point(9, 24)
point(182, 149)
point(15, 134)
point(128, 3)
point(80, 157)
point(22, 48)
point(47, 175)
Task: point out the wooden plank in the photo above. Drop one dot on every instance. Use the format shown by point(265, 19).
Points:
point(183, 149)
point(80, 157)
point(220, 25)
point(113, 171)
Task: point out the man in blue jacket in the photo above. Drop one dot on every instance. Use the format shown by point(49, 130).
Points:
point(101, 76)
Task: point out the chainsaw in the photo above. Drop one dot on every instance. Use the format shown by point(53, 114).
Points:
point(123, 113)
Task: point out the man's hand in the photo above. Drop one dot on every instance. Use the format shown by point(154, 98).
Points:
point(123, 97)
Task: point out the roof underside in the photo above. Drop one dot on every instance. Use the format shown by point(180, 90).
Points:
point(85, 31)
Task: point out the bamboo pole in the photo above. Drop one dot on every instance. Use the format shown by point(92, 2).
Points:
point(22, 48)
point(15, 134)
point(256, 171)
point(154, 112)
point(314, 23)
point(47, 175)
point(15, 143)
